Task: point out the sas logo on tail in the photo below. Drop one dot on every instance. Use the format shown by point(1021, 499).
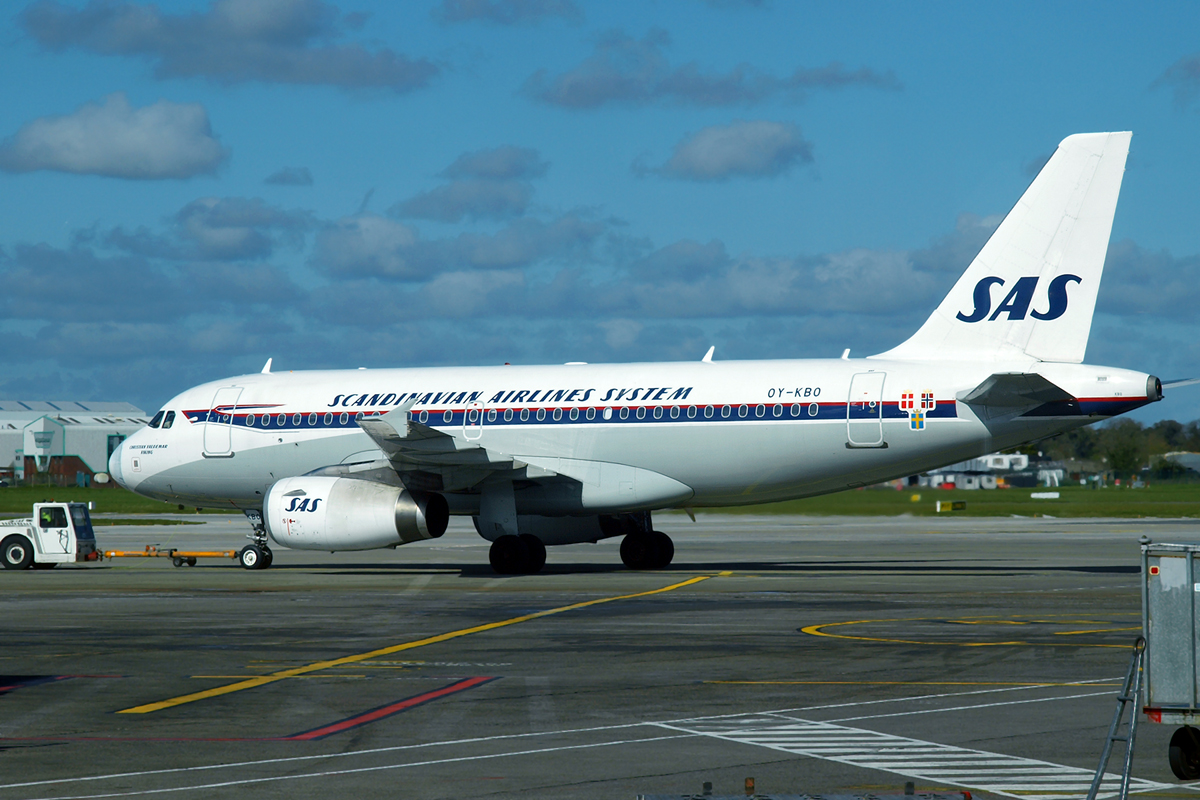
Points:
point(303, 505)
point(1016, 303)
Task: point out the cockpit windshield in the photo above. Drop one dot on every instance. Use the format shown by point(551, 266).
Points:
point(157, 419)
point(169, 421)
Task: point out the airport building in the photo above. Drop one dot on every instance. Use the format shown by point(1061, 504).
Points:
point(61, 442)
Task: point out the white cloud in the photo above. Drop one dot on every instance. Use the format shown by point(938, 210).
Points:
point(233, 41)
point(112, 138)
point(748, 149)
point(367, 244)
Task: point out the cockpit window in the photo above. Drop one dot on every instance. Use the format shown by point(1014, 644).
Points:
point(157, 419)
point(169, 421)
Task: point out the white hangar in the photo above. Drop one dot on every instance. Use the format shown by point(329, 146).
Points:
point(61, 442)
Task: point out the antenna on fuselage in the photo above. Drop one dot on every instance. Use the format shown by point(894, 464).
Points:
point(266, 370)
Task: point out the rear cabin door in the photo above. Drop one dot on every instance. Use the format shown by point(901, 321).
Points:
point(864, 410)
point(218, 425)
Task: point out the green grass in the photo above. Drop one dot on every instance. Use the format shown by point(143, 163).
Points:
point(1164, 500)
point(110, 521)
point(1157, 500)
point(19, 500)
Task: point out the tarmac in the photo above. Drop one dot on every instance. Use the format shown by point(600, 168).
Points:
point(816, 655)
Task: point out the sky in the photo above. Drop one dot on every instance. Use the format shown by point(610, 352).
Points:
point(190, 188)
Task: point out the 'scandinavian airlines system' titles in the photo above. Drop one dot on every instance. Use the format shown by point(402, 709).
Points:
point(552, 455)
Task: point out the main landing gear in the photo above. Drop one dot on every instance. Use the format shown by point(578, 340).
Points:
point(1184, 753)
point(647, 550)
point(517, 555)
point(257, 555)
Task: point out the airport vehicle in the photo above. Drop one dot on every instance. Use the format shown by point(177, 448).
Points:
point(57, 533)
point(553, 455)
point(61, 533)
point(1170, 581)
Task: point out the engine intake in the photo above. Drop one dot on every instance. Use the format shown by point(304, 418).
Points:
point(323, 513)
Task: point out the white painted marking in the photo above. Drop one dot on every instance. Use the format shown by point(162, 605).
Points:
point(982, 705)
point(359, 770)
point(929, 761)
point(765, 718)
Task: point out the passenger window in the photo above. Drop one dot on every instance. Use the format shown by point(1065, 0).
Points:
point(557, 414)
point(591, 413)
point(725, 412)
point(541, 414)
point(508, 415)
point(328, 418)
point(624, 413)
point(154, 423)
point(708, 412)
point(524, 415)
point(312, 420)
point(169, 421)
point(448, 416)
point(574, 414)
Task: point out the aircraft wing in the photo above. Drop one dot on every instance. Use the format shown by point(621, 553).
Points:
point(435, 460)
point(1010, 394)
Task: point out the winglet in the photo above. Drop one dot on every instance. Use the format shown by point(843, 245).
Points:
point(708, 356)
point(266, 370)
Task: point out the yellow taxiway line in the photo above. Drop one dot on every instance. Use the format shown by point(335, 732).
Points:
point(317, 666)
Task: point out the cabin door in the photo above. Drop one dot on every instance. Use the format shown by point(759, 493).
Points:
point(864, 410)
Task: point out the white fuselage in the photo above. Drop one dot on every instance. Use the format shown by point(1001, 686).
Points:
point(693, 434)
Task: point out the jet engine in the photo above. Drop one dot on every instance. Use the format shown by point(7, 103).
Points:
point(322, 513)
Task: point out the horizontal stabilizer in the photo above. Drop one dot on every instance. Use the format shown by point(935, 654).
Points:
point(1179, 383)
point(1012, 394)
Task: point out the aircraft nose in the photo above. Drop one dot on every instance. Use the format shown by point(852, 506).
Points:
point(114, 465)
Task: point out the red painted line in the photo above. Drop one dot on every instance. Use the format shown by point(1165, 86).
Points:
point(34, 680)
point(377, 714)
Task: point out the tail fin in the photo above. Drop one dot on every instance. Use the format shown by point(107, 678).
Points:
point(1032, 289)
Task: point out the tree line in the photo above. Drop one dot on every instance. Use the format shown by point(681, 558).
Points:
point(1124, 446)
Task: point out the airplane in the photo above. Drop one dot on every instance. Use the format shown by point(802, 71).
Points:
point(552, 455)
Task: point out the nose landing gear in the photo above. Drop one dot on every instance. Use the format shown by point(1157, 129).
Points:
point(257, 555)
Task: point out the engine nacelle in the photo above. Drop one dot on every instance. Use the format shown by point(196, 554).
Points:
point(318, 513)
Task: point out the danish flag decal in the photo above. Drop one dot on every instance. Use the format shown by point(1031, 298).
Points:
point(917, 409)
